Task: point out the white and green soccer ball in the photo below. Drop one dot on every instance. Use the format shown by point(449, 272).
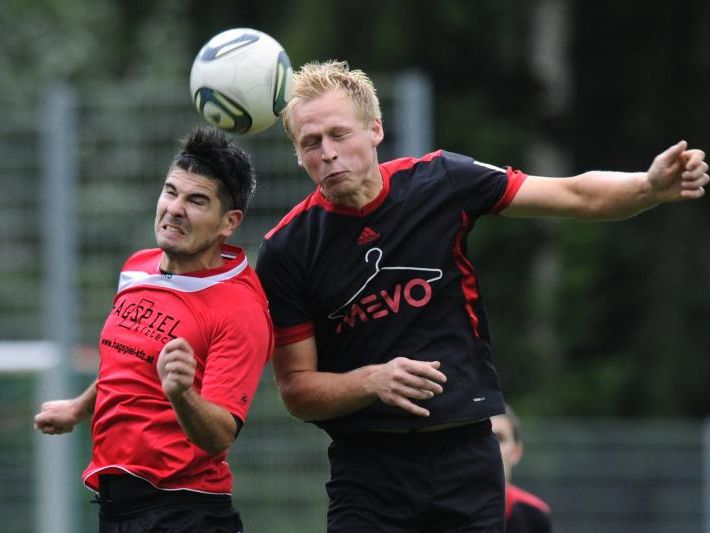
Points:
point(241, 80)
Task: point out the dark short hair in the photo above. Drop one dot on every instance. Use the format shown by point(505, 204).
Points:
point(209, 152)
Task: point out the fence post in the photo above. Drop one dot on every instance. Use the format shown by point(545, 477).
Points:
point(57, 477)
point(706, 475)
point(412, 114)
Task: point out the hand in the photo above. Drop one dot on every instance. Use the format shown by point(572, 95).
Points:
point(176, 368)
point(57, 417)
point(402, 380)
point(679, 173)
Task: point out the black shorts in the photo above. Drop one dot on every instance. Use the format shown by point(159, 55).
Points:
point(442, 481)
point(131, 505)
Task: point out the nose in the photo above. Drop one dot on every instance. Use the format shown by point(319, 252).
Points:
point(328, 151)
point(176, 206)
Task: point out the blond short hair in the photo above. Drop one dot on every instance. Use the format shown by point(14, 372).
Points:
point(317, 78)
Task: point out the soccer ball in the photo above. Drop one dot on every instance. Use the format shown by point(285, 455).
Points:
point(241, 80)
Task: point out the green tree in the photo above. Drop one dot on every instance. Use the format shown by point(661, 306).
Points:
point(629, 306)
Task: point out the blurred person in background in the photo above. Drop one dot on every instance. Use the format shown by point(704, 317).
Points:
point(182, 352)
point(382, 337)
point(524, 512)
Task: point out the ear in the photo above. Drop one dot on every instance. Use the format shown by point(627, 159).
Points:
point(231, 220)
point(378, 132)
point(298, 155)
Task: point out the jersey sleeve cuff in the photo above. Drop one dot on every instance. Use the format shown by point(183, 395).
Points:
point(292, 334)
point(515, 180)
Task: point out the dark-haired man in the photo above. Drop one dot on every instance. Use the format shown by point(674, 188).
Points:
point(524, 512)
point(182, 352)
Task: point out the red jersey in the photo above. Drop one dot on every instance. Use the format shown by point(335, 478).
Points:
point(224, 315)
point(525, 512)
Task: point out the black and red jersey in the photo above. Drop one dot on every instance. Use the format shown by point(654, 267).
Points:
point(525, 512)
point(393, 279)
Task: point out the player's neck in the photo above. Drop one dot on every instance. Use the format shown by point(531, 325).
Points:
point(186, 264)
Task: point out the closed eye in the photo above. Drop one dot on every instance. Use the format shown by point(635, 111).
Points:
point(199, 199)
point(310, 143)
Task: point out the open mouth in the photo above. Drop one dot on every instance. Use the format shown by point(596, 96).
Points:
point(170, 228)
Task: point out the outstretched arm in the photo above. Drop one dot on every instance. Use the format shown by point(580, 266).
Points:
point(60, 416)
point(208, 425)
point(676, 174)
point(313, 395)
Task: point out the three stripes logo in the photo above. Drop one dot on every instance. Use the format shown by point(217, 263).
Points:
point(367, 235)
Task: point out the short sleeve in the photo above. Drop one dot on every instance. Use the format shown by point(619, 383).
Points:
point(483, 188)
point(241, 345)
point(284, 285)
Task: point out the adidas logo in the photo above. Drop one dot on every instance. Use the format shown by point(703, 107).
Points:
point(367, 235)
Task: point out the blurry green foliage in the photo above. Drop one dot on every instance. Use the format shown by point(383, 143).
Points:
point(631, 306)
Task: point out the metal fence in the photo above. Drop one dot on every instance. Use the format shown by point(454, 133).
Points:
point(117, 140)
point(615, 476)
point(80, 171)
point(630, 476)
